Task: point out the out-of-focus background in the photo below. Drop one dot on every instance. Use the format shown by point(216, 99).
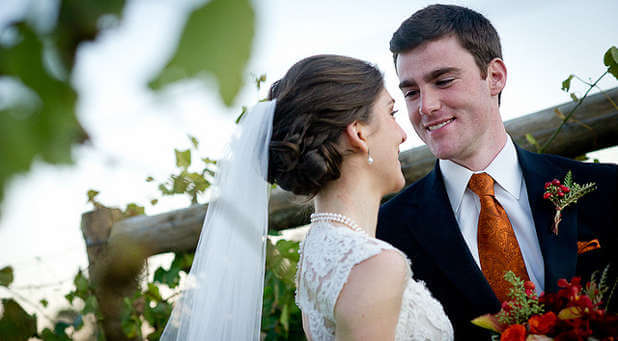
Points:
point(132, 130)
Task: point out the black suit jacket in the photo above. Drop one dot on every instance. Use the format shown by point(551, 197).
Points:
point(420, 222)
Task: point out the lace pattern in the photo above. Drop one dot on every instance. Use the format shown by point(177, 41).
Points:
point(328, 255)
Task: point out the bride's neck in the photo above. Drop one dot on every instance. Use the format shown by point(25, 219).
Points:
point(353, 199)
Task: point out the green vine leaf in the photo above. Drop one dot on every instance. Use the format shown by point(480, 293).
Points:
point(242, 113)
point(157, 317)
point(90, 306)
point(171, 277)
point(92, 195)
point(611, 61)
point(16, 324)
point(81, 285)
point(133, 210)
point(194, 141)
point(218, 39)
point(533, 141)
point(183, 158)
point(6, 276)
point(59, 333)
point(566, 84)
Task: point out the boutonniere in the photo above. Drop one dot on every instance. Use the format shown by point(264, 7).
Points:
point(564, 194)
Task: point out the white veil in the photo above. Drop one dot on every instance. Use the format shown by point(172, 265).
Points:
point(222, 296)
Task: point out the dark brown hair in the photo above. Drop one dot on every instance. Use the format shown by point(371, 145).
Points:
point(473, 31)
point(316, 100)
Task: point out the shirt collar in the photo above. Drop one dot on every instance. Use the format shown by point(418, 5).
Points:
point(504, 169)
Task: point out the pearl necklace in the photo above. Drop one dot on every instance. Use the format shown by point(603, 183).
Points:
point(339, 218)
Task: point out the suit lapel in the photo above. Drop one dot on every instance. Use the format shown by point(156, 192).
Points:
point(559, 252)
point(443, 242)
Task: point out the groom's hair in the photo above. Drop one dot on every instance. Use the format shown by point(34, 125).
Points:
point(473, 31)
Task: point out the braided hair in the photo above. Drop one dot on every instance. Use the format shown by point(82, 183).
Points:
point(316, 100)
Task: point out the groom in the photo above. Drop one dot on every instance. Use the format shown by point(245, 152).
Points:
point(449, 63)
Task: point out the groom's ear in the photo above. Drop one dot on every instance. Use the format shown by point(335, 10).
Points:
point(496, 76)
point(356, 135)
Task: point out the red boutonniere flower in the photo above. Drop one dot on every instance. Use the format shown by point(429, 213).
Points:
point(562, 194)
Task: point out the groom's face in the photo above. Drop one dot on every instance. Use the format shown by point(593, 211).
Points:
point(449, 103)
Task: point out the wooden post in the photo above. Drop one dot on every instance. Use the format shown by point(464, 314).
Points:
point(96, 228)
point(108, 268)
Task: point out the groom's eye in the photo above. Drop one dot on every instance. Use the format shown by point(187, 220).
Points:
point(444, 82)
point(410, 93)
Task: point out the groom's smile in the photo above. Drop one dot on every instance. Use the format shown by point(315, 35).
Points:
point(437, 125)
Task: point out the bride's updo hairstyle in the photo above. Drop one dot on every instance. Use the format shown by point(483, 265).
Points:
point(316, 100)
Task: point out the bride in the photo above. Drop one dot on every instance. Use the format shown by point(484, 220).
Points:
point(328, 132)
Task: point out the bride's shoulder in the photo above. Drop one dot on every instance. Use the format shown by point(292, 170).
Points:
point(389, 264)
point(374, 286)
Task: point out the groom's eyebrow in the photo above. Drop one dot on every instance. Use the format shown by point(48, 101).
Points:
point(407, 83)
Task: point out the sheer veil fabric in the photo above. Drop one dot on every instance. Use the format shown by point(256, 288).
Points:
point(222, 295)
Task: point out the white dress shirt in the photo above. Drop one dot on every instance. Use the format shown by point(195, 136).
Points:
point(511, 193)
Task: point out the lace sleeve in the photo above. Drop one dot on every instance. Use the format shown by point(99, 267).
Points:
point(328, 255)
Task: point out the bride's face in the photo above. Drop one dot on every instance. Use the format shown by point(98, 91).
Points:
point(384, 143)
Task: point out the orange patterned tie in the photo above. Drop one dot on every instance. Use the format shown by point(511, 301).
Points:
point(498, 247)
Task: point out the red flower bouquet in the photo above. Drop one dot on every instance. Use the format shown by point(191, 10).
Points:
point(573, 313)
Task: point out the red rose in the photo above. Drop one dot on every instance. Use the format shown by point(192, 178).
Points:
point(583, 302)
point(556, 182)
point(546, 195)
point(542, 324)
point(515, 332)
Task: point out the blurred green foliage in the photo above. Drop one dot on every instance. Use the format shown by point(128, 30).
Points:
point(39, 121)
point(217, 39)
point(16, 324)
point(281, 317)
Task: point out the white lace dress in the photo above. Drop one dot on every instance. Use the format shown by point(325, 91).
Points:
point(328, 254)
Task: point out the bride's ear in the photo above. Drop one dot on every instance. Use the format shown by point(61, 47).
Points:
point(356, 135)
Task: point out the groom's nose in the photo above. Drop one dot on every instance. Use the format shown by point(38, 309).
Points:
point(428, 103)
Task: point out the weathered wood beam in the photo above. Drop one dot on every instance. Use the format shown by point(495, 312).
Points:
point(110, 286)
point(594, 126)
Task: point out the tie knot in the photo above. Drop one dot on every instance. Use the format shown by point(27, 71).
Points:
point(481, 184)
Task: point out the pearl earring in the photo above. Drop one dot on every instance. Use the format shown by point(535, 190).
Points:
point(369, 159)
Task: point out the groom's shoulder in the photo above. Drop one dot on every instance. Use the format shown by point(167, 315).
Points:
point(605, 175)
point(579, 168)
